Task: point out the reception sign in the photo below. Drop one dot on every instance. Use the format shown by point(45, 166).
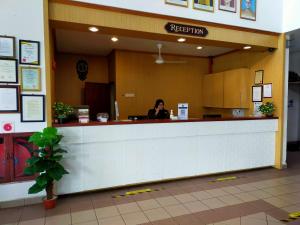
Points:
point(177, 28)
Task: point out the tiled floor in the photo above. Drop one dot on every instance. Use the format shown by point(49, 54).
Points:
point(260, 197)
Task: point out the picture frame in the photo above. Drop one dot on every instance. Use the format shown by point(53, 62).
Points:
point(228, 5)
point(204, 5)
point(30, 78)
point(9, 99)
point(259, 77)
point(8, 71)
point(29, 52)
point(182, 3)
point(32, 108)
point(7, 47)
point(257, 92)
point(267, 90)
point(248, 9)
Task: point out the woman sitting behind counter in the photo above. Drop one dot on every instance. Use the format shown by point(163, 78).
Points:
point(159, 111)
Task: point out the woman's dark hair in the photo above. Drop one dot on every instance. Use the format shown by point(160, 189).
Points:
point(158, 101)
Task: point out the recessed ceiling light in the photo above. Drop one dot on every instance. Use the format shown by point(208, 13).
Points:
point(114, 39)
point(181, 39)
point(93, 29)
point(199, 47)
point(247, 47)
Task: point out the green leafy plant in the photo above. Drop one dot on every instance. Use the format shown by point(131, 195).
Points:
point(45, 161)
point(267, 108)
point(62, 110)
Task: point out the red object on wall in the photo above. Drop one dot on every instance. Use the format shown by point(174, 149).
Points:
point(21, 154)
point(2, 161)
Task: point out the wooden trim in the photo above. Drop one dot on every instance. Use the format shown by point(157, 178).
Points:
point(109, 123)
point(48, 65)
point(154, 15)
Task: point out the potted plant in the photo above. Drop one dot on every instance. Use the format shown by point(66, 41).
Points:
point(267, 109)
point(62, 111)
point(45, 161)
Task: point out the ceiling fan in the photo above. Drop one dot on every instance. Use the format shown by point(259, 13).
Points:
point(160, 60)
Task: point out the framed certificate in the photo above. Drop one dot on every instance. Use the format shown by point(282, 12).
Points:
point(259, 77)
point(7, 47)
point(8, 71)
point(207, 5)
point(32, 108)
point(267, 91)
point(30, 78)
point(183, 3)
point(257, 93)
point(29, 52)
point(9, 99)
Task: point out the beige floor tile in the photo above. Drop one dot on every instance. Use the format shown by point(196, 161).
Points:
point(40, 221)
point(201, 195)
point(183, 198)
point(230, 200)
point(63, 219)
point(252, 221)
point(135, 218)
point(292, 199)
point(87, 223)
point(176, 210)
point(236, 221)
point(83, 216)
point(277, 202)
point(196, 206)
point(260, 194)
point(157, 214)
point(272, 221)
point(245, 197)
point(128, 208)
point(148, 204)
point(292, 208)
point(166, 201)
point(213, 203)
point(246, 187)
point(232, 190)
point(117, 220)
point(216, 192)
point(105, 212)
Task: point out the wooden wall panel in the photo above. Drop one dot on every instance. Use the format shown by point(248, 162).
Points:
point(137, 73)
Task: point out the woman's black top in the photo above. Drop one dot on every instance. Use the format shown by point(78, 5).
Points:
point(162, 114)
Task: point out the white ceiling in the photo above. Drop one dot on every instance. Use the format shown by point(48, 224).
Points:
point(68, 41)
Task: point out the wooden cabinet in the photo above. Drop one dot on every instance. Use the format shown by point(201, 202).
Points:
point(14, 151)
point(236, 88)
point(213, 90)
point(229, 89)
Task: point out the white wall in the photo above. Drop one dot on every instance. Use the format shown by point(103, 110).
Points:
point(269, 12)
point(24, 20)
point(291, 15)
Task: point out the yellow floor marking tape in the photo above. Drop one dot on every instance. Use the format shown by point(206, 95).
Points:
point(224, 179)
point(292, 217)
point(135, 192)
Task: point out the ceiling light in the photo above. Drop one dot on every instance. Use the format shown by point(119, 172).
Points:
point(114, 39)
point(199, 47)
point(93, 29)
point(247, 47)
point(181, 39)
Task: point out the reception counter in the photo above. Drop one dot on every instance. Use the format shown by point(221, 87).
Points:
point(103, 155)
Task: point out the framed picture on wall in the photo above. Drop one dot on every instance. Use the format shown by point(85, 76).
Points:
point(248, 9)
point(30, 78)
point(205, 5)
point(8, 71)
point(183, 3)
point(259, 77)
point(227, 5)
point(267, 91)
point(29, 52)
point(9, 99)
point(257, 93)
point(7, 47)
point(32, 108)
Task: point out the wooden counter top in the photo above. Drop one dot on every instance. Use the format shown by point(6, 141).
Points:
point(127, 122)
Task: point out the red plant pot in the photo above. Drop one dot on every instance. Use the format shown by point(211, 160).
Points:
point(50, 204)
